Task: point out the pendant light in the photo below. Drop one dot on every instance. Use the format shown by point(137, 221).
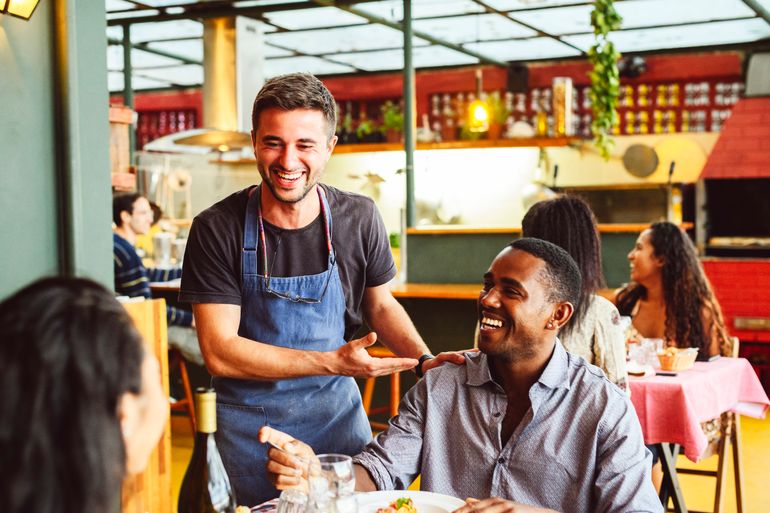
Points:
point(19, 8)
point(478, 110)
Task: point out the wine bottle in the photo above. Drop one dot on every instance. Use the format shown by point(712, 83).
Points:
point(206, 487)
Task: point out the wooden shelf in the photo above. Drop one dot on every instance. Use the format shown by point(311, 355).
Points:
point(474, 230)
point(437, 290)
point(453, 291)
point(526, 142)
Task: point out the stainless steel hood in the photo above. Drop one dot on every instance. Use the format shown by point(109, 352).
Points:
point(233, 73)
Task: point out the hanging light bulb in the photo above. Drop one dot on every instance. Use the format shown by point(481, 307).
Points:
point(478, 110)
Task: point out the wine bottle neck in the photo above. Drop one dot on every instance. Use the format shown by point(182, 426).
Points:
point(206, 406)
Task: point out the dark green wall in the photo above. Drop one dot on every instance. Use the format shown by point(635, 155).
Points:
point(28, 238)
point(463, 258)
point(54, 164)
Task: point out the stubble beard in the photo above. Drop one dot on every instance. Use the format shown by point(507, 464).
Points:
point(288, 201)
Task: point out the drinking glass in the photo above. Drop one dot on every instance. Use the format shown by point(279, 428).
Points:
point(332, 483)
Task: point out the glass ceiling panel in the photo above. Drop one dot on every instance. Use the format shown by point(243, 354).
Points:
point(563, 20)
point(512, 5)
point(314, 65)
point(272, 51)
point(524, 50)
point(142, 32)
point(646, 13)
point(717, 33)
point(192, 49)
point(313, 18)
point(342, 40)
point(393, 10)
point(190, 74)
point(466, 29)
point(422, 57)
point(118, 5)
point(163, 3)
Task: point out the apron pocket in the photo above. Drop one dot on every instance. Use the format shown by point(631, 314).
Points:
point(237, 441)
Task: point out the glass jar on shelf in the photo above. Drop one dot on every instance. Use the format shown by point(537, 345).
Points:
point(642, 95)
point(630, 122)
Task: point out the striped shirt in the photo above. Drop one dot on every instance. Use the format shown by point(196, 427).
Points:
point(133, 279)
point(578, 449)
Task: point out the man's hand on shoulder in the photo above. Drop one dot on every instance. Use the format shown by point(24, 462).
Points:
point(498, 505)
point(352, 359)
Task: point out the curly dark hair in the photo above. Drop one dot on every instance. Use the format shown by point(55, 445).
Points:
point(686, 291)
point(295, 91)
point(568, 222)
point(69, 351)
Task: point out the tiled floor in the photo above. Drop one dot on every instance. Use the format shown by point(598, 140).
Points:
point(698, 491)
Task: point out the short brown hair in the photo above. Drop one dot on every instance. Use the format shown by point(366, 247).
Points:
point(295, 91)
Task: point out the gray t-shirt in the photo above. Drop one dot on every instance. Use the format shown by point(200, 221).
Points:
point(212, 262)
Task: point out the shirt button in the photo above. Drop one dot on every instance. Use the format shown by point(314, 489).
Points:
point(501, 461)
point(496, 414)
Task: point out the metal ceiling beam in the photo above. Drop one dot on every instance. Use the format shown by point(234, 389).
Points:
point(422, 35)
point(758, 8)
point(203, 10)
point(145, 48)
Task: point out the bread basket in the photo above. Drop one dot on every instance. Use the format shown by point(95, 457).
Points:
point(675, 359)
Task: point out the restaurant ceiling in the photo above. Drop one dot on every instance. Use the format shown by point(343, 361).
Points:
point(328, 38)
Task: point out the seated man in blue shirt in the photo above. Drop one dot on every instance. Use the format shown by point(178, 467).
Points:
point(132, 216)
point(523, 422)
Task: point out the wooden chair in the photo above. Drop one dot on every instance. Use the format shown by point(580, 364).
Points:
point(730, 434)
point(187, 403)
point(151, 490)
point(395, 391)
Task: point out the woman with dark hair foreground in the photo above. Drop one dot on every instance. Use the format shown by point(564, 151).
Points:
point(669, 296)
point(82, 400)
point(594, 332)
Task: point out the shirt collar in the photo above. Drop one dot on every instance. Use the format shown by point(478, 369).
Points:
point(554, 375)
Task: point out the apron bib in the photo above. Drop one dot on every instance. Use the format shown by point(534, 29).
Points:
point(323, 411)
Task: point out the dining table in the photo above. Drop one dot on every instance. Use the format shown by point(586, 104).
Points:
point(672, 405)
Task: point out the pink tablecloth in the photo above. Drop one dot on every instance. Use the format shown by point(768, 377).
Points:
point(671, 409)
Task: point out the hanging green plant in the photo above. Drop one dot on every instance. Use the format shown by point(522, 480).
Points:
point(605, 78)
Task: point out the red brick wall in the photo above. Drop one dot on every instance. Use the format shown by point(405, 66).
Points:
point(743, 147)
point(743, 290)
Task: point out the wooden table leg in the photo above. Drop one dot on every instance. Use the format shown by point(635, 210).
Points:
point(670, 486)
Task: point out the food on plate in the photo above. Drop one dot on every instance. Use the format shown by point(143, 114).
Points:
point(400, 505)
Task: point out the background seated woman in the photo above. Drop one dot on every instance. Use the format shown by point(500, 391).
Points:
point(82, 401)
point(669, 296)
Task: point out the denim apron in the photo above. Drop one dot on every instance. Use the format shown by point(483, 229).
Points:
point(323, 411)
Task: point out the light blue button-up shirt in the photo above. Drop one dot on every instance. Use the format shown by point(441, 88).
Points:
point(578, 449)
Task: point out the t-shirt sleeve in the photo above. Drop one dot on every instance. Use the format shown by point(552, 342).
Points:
point(211, 271)
point(380, 268)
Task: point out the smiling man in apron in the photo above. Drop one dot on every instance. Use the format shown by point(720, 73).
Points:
point(281, 276)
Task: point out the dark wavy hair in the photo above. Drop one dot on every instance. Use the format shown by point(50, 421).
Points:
point(69, 351)
point(686, 290)
point(296, 91)
point(568, 222)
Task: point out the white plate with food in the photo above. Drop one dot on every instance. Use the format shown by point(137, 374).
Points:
point(396, 502)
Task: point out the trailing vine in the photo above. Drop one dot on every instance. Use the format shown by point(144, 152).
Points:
point(605, 78)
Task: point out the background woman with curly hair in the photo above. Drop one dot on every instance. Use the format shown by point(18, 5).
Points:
point(82, 400)
point(670, 297)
